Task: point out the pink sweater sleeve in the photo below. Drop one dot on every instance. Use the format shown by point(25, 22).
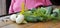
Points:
point(11, 7)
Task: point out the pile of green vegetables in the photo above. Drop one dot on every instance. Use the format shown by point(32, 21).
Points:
point(42, 14)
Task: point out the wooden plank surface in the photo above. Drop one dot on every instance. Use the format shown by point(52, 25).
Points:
point(7, 23)
point(30, 25)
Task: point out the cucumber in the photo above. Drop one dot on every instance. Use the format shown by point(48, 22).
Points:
point(40, 19)
point(30, 19)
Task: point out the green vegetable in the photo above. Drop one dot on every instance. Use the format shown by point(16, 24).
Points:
point(33, 10)
point(56, 11)
point(49, 10)
point(40, 19)
point(54, 14)
point(27, 13)
point(43, 10)
point(48, 13)
point(42, 14)
point(31, 19)
point(40, 11)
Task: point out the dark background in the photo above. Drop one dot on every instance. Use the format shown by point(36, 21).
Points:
point(55, 2)
point(8, 2)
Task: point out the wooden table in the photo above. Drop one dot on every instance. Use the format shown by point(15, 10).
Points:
point(29, 25)
point(10, 24)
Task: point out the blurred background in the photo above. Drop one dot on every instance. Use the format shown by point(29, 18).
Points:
point(4, 5)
